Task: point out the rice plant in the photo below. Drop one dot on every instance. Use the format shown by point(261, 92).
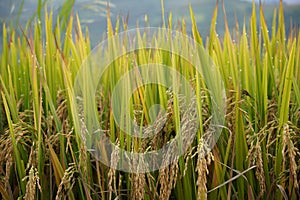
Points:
point(43, 154)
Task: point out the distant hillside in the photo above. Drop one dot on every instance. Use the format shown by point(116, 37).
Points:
point(288, 2)
point(93, 15)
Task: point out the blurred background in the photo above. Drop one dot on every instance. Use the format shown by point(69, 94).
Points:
point(93, 13)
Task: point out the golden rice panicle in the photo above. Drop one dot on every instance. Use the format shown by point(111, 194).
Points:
point(138, 180)
point(111, 178)
point(290, 151)
point(33, 181)
point(67, 182)
point(167, 178)
point(9, 163)
point(259, 172)
point(255, 158)
point(83, 160)
point(163, 180)
point(112, 188)
point(188, 159)
point(138, 186)
point(6, 157)
point(202, 170)
point(173, 174)
point(62, 107)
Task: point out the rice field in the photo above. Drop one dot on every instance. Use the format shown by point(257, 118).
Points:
point(50, 102)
